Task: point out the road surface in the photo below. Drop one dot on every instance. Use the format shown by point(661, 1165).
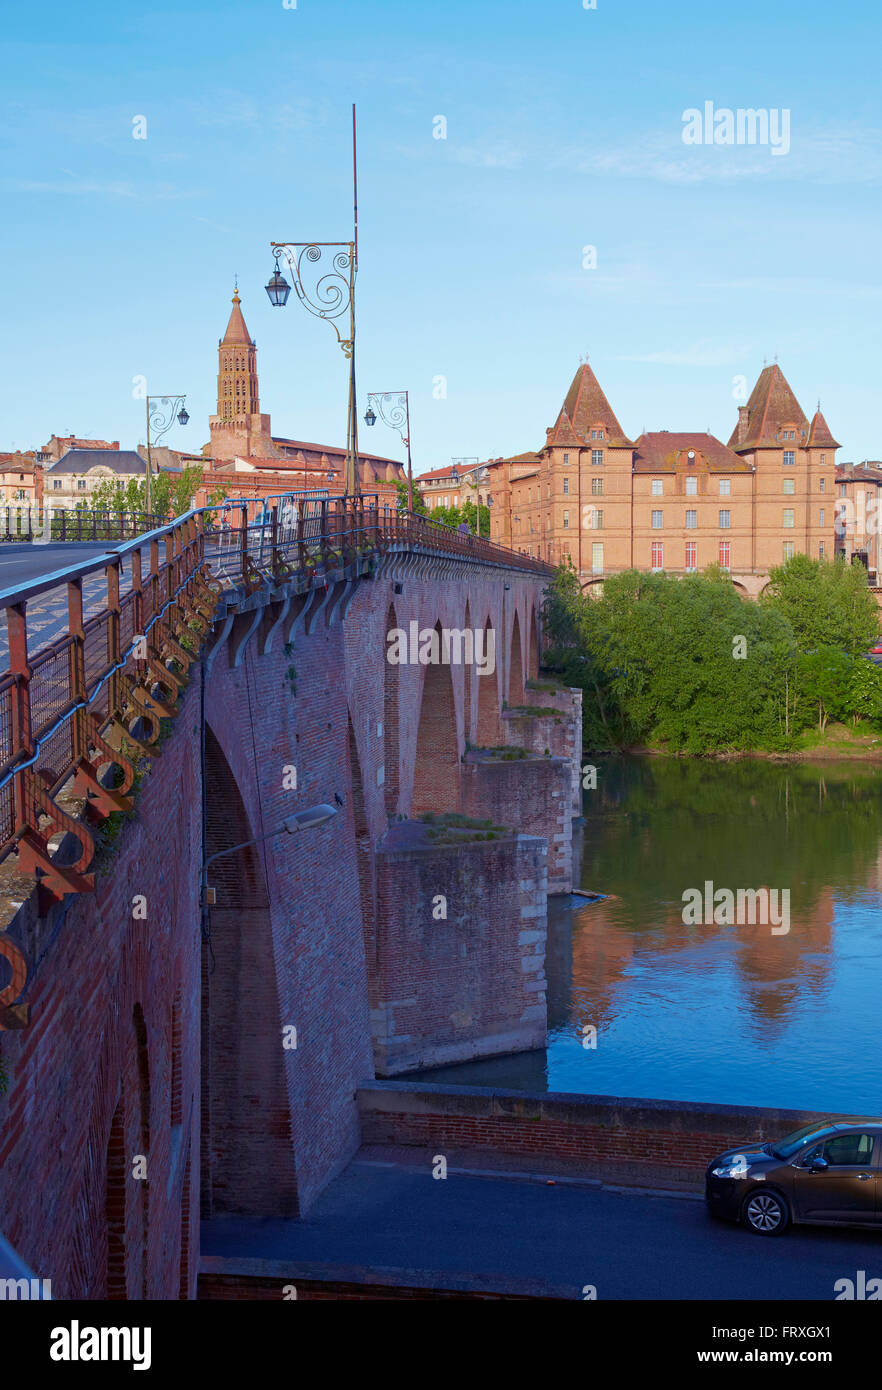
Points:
point(489, 1228)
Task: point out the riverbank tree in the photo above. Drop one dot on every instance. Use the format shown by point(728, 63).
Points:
point(688, 665)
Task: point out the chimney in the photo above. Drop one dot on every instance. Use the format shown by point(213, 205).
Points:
point(743, 417)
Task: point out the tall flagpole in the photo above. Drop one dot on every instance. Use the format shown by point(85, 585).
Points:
point(352, 482)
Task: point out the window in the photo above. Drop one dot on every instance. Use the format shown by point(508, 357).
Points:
point(56, 484)
point(789, 457)
point(566, 460)
point(597, 557)
point(656, 521)
point(821, 522)
point(821, 551)
point(822, 484)
point(788, 516)
point(81, 485)
point(597, 487)
point(691, 555)
point(724, 555)
point(566, 518)
point(566, 482)
point(789, 487)
point(596, 520)
point(691, 520)
point(850, 1150)
point(657, 555)
point(724, 520)
point(725, 487)
point(596, 457)
point(823, 459)
point(691, 487)
point(788, 550)
point(657, 487)
point(597, 434)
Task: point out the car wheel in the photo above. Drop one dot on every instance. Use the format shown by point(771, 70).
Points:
point(764, 1212)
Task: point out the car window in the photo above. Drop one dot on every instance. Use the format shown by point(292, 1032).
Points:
point(798, 1140)
point(853, 1150)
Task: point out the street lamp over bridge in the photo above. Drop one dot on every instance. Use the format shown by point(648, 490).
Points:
point(161, 413)
point(393, 408)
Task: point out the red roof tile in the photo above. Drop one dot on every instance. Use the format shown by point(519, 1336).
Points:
point(663, 451)
point(236, 332)
point(586, 408)
point(819, 432)
point(772, 404)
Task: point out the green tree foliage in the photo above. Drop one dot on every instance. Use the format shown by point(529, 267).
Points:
point(827, 603)
point(419, 505)
point(687, 664)
point(470, 512)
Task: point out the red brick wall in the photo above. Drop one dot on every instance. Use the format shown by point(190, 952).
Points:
point(533, 794)
point(69, 1203)
point(471, 983)
point(641, 1141)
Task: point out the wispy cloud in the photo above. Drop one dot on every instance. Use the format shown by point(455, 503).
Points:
point(490, 156)
point(847, 154)
point(104, 188)
point(704, 353)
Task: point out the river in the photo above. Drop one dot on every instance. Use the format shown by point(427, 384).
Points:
point(735, 1014)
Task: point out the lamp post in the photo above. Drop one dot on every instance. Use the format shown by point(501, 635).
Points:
point(323, 274)
point(301, 820)
point(161, 412)
point(393, 408)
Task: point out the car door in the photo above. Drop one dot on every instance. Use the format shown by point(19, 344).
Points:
point(846, 1190)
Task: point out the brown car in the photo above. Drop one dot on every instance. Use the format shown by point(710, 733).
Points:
point(827, 1174)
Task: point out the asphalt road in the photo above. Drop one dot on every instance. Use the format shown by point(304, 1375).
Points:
point(19, 563)
point(626, 1244)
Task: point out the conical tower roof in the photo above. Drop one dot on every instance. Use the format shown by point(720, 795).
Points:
point(820, 432)
point(237, 333)
point(771, 405)
point(584, 409)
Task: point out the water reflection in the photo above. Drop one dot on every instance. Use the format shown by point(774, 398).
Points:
point(710, 1012)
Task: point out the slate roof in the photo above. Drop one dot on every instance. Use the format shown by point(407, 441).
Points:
point(81, 460)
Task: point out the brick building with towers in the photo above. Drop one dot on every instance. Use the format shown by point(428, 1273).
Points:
point(670, 500)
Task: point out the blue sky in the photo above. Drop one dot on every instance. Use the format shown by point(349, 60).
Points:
point(564, 130)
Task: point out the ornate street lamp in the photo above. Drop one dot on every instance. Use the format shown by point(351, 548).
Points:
point(323, 275)
point(393, 409)
point(161, 412)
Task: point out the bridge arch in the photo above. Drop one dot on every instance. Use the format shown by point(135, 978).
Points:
point(391, 715)
point(533, 647)
point(247, 1152)
point(436, 768)
point(516, 693)
point(467, 684)
point(487, 733)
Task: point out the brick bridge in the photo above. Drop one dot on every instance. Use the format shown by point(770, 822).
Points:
point(167, 1059)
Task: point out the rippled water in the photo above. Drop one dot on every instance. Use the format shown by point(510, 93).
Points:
point(730, 1014)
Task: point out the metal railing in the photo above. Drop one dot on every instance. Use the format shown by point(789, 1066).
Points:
point(96, 697)
point(27, 523)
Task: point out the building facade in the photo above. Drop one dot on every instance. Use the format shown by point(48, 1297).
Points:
point(454, 485)
point(668, 500)
point(73, 479)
